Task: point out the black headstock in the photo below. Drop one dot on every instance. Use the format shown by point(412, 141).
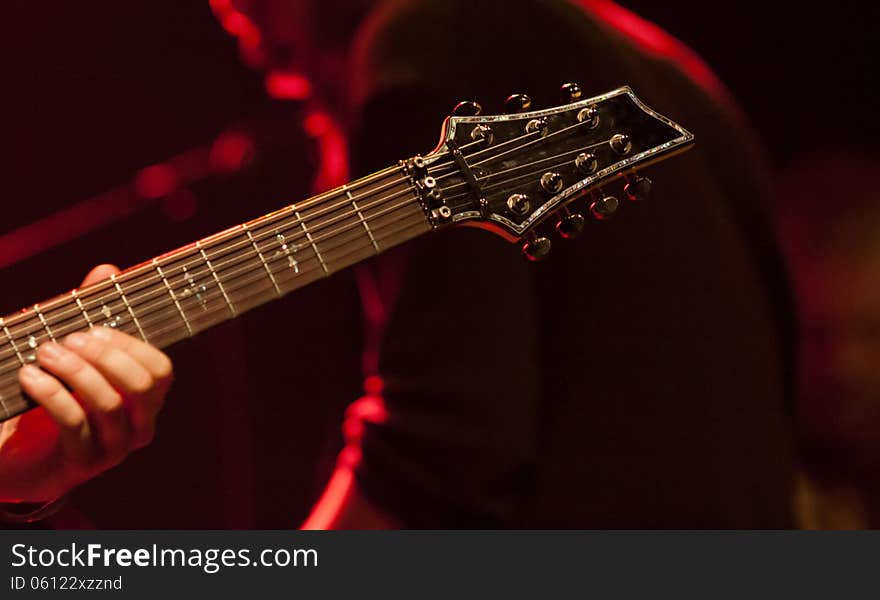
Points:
point(510, 172)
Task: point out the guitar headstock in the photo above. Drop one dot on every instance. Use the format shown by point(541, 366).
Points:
point(510, 173)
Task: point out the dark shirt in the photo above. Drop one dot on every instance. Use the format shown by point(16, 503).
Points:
point(639, 378)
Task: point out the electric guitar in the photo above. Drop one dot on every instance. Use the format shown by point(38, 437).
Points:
point(506, 173)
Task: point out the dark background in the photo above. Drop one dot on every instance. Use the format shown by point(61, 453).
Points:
point(94, 91)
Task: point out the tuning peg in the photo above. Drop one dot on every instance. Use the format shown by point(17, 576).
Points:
point(621, 143)
point(638, 188)
point(536, 248)
point(570, 92)
point(517, 103)
point(468, 108)
point(604, 208)
point(552, 182)
point(570, 225)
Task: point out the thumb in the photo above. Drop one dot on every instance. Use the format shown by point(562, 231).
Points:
point(100, 273)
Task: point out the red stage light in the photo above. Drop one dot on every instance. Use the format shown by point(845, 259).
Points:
point(231, 152)
point(156, 181)
point(288, 86)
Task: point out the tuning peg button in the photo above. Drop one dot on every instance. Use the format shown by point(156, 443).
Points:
point(586, 162)
point(621, 143)
point(536, 126)
point(468, 108)
point(570, 226)
point(552, 182)
point(517, 103)
point(604, 208)
point(536, 249)
point(518, 204)
point(570, 92)
point(589, 116)
point(638, 188)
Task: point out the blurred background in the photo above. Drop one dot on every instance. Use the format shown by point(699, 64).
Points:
point(134, 127)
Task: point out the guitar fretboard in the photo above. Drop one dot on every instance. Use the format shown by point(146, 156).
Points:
point(179, 294)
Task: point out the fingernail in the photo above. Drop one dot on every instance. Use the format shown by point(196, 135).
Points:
point(30, 372)
point(50, 350)
point(76, 340)
point(102, 333)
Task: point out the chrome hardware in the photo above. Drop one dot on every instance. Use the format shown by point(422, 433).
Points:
point(638, 188)
point(590, 116)
point(570, 225)
point(536, 125)
point(621, 143)
point(570, 92)
point(468, 108)
point(604, 208)
point(469, 177)
point(518, 204)
point(442, 214)
point(536, 248)
point(552, 182)
point(586, 163)
point(517, 103)
point(482, 133)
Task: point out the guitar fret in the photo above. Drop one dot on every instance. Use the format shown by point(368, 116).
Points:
point(43, 321)
point(6, 412)
point(128, 306)
point(262, 259)
point(173, 297)
point(82, 308)
point(311, 241)
point(216, 278)
point(12, 342)
point(361, 217)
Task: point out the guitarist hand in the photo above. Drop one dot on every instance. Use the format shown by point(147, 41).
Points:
point(100, 392)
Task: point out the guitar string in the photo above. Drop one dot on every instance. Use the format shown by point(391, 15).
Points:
point(520, 167)
point(269, 291)
point(254, 263)
point(266, 294)
point(298, 278)
point(160, 336)
point(257, 225)
point(531, 174)
point(345, 203)
point(136, 302)
point(87, 294)
point(128, 276)
point(311, 202)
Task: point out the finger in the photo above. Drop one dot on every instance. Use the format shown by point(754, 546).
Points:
point(100, 273)
point(121, 369)
point(103, 405)
point(67, 413)
point(143, 394)
point(153, 359)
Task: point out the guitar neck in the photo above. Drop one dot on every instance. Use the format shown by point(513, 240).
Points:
point(184, 292)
